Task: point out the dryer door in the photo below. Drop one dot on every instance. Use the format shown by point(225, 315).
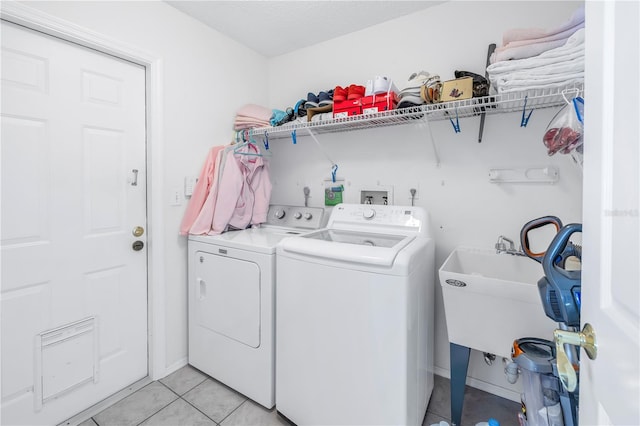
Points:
point(227, 297)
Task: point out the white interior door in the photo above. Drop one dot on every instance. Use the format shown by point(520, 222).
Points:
point(74, 291)
point(609, 385)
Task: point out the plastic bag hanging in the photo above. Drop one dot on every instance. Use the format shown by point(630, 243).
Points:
point(566, 130)
point(334, 188)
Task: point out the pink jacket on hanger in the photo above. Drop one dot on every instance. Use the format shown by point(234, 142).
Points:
point(201, 190)
point(244, 191)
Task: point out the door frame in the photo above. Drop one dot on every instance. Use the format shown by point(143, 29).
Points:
point(34, 19)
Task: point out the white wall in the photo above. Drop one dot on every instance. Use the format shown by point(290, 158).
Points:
point(465, 208)
point(207, 77)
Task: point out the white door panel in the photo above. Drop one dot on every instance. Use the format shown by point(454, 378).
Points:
point(610, 384)
point(73, 129)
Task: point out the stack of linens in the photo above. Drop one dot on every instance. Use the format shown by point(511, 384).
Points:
point(251, 116)
point(556, 68)
point(529, 42)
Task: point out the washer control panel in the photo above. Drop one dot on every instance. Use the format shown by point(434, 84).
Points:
point(403, 218)
point(296, 216)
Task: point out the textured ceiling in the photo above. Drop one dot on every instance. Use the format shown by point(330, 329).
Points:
point(273, 27)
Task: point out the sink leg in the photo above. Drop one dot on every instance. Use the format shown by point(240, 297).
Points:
point(459, 357)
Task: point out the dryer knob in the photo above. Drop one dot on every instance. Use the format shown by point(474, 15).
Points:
point(298, 215)
point(308, 216)
point(369, 213)
point(279, 214)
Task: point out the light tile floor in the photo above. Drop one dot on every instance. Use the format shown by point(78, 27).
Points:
point(189, 397)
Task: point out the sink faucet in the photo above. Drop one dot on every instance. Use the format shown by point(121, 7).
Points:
point(501, 247)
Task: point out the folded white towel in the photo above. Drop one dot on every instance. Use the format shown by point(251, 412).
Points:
point(536, 33)
point(562, 66)
point(559, 68)
point(549, 83)
point(537, 77)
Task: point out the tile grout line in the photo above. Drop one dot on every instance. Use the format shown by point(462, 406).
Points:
point(234, 410)
point(170, 390)
point(232, 390)
point(188, 390)
point(205, 378)
point(199, 410)
point(196, 408)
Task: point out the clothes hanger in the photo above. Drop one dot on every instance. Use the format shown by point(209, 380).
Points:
point(253, 147)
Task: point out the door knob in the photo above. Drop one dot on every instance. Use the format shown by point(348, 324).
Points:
point(137, 245)
point(585, 339)
point(138, 231)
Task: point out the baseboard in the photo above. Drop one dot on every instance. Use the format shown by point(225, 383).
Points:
point(176, 366)
point(484, 386)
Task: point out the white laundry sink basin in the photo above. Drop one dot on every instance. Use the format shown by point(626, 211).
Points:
point(492, 299)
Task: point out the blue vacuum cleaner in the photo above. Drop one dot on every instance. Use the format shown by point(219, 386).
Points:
point(560, 287)
point(559, 290)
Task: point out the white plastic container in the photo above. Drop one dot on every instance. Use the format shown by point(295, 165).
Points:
point(491, 422)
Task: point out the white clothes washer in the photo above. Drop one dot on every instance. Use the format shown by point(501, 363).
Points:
point(355, 319)
point(231, 301)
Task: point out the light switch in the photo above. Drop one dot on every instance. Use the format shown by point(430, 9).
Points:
point(176, 198)
point(189, 184)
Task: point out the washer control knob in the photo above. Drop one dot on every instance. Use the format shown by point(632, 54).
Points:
point(369, 213)
point(279, 214)
point(298, 215)
point(308, 216)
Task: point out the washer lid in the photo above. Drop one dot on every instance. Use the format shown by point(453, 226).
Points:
point(349, 246)
point(357, 238)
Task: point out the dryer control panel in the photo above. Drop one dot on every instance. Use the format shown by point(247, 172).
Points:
point(296, 216)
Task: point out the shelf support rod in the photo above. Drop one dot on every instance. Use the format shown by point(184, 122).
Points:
point(433, 141)
point(492, 48)
point(320, 147)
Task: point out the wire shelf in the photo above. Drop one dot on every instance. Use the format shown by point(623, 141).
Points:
point(494, 104)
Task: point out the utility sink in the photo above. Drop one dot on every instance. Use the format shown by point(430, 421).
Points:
point(492, 299)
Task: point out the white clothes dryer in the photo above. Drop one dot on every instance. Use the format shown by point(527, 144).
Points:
point(231, 301)
point(355, 319)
